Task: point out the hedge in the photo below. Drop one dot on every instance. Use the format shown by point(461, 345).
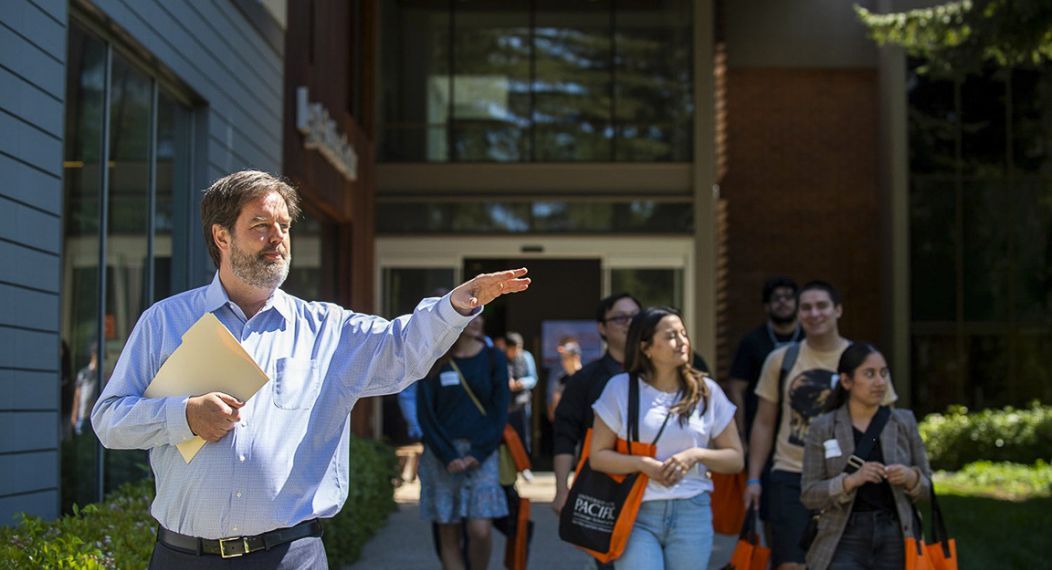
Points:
point(119, 532)
point(960, 437)
point(1011, 481)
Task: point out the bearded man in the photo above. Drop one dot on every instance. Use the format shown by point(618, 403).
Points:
point(278, 462)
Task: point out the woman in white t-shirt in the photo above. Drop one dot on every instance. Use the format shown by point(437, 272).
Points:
point(674, 527)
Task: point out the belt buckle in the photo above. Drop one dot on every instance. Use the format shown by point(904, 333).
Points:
point(856, 462)
point(233, 540)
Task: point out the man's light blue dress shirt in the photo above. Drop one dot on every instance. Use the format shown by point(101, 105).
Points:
point(287, 460)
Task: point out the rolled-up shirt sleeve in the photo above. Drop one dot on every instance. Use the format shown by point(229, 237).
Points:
point(122, 417)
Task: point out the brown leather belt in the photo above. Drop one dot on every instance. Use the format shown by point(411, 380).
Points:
point(235, 546)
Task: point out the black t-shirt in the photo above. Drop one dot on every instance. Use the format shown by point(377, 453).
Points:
point(748, 363)
point(873, 496)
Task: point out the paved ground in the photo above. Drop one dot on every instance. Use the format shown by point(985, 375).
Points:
point(405, 543)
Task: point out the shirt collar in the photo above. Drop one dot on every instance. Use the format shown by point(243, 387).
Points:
point(216, 297)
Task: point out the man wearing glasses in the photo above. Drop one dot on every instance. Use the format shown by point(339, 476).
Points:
point(573, 415)
point(781, 328)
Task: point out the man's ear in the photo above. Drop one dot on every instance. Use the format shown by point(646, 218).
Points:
point(221, 237)
point(839, 311)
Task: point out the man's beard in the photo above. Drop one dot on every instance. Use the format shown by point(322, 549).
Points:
point(258, 271)
point(780, 320)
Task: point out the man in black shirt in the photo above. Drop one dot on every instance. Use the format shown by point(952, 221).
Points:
point(779, 302)
point(573, 416)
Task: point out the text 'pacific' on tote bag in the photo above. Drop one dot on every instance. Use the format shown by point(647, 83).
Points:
point(748, 553)
point(601, 508)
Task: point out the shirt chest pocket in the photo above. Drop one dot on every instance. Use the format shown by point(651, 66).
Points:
point(296, 383)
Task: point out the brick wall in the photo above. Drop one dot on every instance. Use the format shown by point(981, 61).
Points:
point(802, 191)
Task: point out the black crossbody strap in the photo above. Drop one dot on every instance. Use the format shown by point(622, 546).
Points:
point(632, 430)
point(869, 440)
point(662, 430)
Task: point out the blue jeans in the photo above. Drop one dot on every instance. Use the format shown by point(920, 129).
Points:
point(670, 535)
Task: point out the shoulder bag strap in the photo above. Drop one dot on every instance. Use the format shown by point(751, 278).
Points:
point(869, 440)
point(938, 525)
point(633, 414)
point(467, 387)
point(663, 424)
point(788, 361)
point(632, 421)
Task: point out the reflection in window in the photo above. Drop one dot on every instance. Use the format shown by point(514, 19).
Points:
point(146, 148)
point(85, 97)
point(540, 80)
point(312, 271)
point(573, 85)
point(638, 216)
point(981, 237)
point(653, 287)
point(404, 287)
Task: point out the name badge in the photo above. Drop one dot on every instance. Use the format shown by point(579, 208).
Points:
point(832, 448)
point(449, 378)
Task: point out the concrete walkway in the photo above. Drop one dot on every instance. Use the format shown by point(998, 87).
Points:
point(405, 543)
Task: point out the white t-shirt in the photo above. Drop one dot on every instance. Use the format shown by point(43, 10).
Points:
point(703, 426)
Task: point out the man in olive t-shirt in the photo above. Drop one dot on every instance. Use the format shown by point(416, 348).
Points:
point(808, 385)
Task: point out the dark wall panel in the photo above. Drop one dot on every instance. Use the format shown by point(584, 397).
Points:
point(32, 87)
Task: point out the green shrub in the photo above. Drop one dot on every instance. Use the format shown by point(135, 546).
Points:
point(960, 437)
point(369, 502)
point(1003, 480)
point(119, 532)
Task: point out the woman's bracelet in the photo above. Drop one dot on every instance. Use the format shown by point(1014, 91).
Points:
point(752, 482)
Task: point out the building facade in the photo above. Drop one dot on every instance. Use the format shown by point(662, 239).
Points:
point(681, 150)
point(686, 151)
point(115, 114)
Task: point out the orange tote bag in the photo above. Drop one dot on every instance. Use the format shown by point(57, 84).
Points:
point(728, 509)
point(749, 554)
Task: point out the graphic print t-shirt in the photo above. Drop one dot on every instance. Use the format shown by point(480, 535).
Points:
point(807, 387)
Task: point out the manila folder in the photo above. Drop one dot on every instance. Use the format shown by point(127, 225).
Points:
point(209, 359)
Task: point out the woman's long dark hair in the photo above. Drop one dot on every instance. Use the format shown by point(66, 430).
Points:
point(691, 381)
point(850, 360)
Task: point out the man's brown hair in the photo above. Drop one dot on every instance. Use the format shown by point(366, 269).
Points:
point(223, 200)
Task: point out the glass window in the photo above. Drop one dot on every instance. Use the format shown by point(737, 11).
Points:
point(85, 97)
point(404, 287)
point(980, 219)
point(490, 90)
point(127, 255)
point(933, 291)
point(540, 80)
point(653, 287)
point(122, 217)
point(171, 173)
point(637, 216)
point(312, 273)
point(653, 68)
point(415, 104)
point(572, 87)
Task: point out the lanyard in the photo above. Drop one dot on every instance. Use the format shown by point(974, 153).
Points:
point(774, 339)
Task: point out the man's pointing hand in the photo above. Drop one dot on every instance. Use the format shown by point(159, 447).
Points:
point(486, 287)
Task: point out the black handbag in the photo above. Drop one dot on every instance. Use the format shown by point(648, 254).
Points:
point(854, 463)
point(601, 508)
